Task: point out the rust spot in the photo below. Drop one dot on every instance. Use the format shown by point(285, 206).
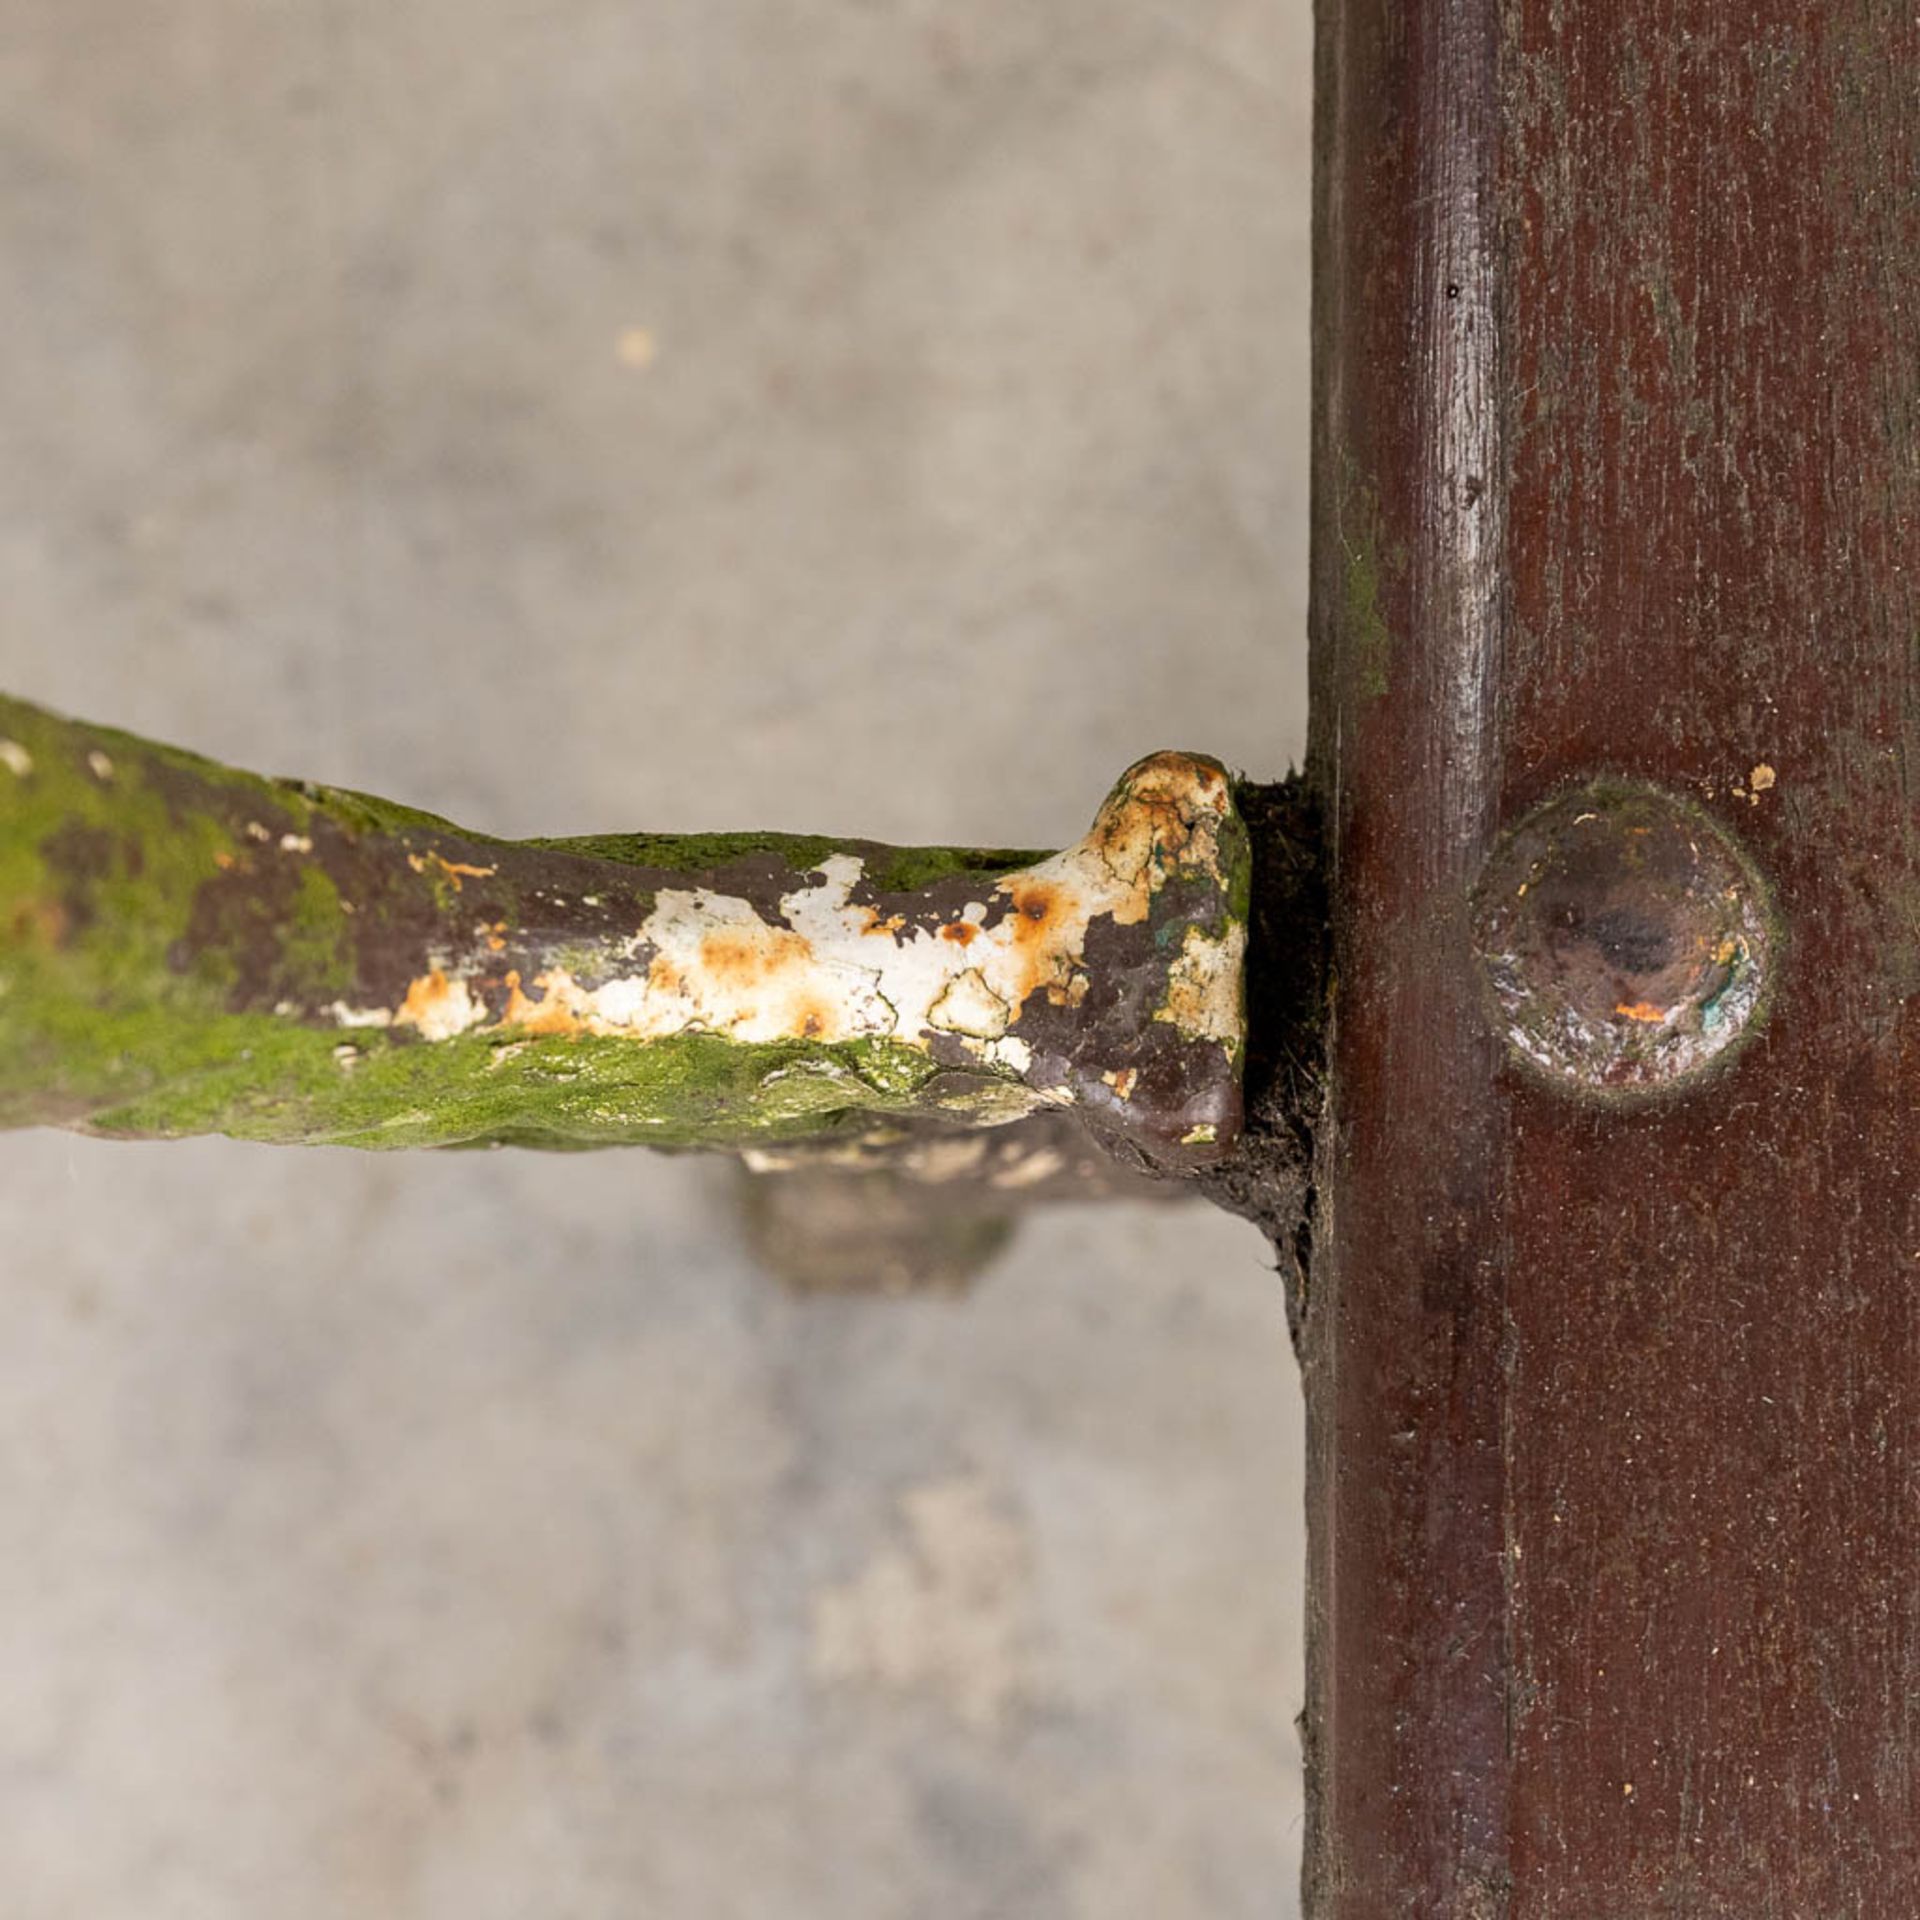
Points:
point(1035, 901)
point(1041, 926)
point(548, 1014)
point(1625, 937)
point(454, 870)
point(424, 994)
point(738, 959)
point(438, 1007)
point(960, 932)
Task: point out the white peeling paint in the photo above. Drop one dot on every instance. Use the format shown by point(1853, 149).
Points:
point(343, 1015)
point(708, 962)
point(970, 1008)
point(1204, 986)
point(15, 758)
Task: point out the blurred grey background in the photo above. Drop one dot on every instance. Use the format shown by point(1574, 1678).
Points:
point(878, 416)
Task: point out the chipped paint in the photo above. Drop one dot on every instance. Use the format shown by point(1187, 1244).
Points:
point(1205, 985)
point(827, 967)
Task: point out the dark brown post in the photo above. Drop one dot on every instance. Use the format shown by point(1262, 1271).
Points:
point(1615, 1391)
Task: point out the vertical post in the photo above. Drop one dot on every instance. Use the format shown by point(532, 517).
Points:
point(1407, 1708)
point(1615, 1402)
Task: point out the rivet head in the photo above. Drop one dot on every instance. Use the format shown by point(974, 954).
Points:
point(1627, 942)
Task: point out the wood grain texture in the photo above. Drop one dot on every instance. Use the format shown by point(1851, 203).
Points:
point(1615, 1497)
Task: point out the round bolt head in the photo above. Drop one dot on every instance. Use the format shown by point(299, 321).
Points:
point(1627, 941)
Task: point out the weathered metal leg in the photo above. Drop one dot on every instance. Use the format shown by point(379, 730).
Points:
point(187, 949)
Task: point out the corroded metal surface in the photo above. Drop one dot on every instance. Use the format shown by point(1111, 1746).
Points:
point(1628, 943)
point(188, 949)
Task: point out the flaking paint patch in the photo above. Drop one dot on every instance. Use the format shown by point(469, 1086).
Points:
point(1205, 986)
point(439, 1007)
point(704, 961)
point(971, 1008)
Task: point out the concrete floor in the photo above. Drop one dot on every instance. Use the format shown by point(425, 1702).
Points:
point(879, 416)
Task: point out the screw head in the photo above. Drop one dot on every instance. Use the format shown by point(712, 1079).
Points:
point(1628, 943)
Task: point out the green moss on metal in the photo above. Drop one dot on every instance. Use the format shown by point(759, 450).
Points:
point(1366, 561)
point(366, 813)
point(1236, 862)
point(96, 862)
point(886, 869)
point(908, 869)
point(255, 1078)
point(694, 852)
point(316, 952)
